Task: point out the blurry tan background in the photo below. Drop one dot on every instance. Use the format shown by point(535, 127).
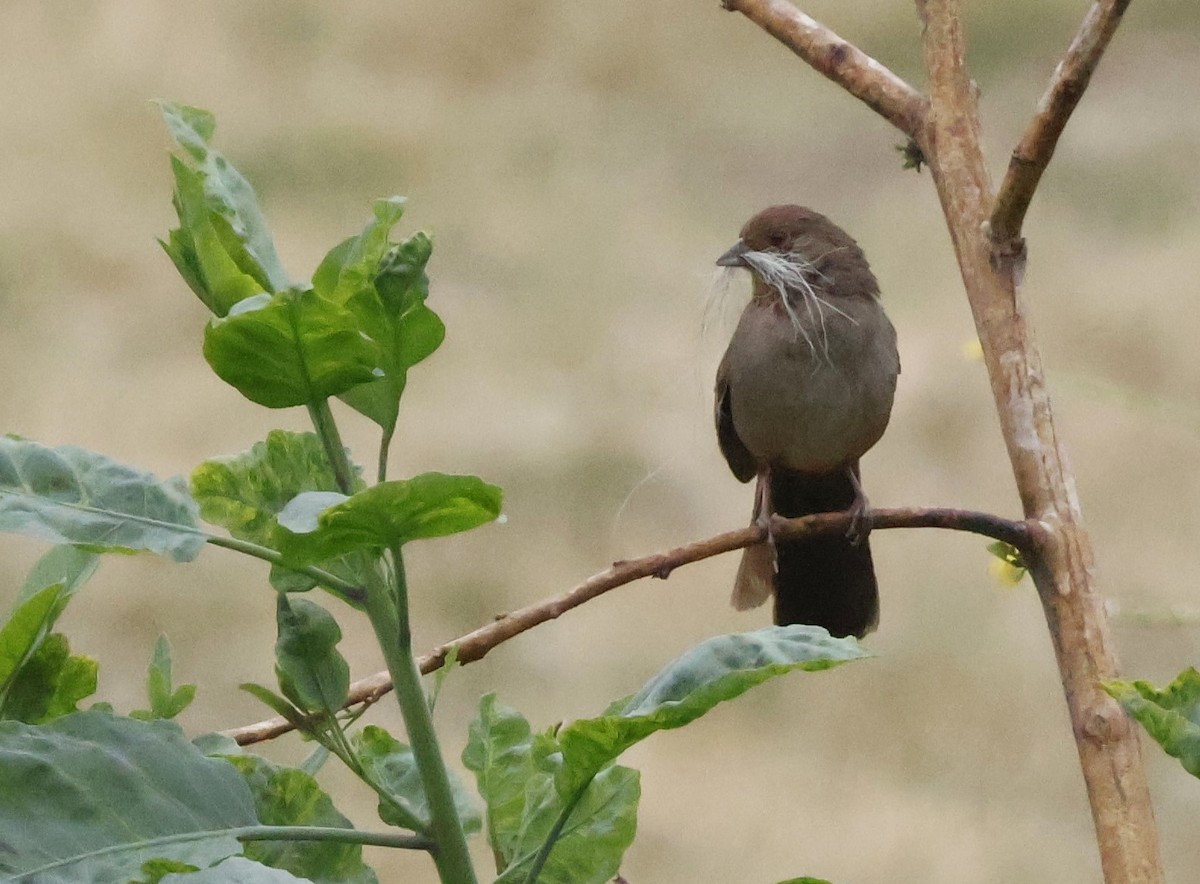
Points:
point(581, 166)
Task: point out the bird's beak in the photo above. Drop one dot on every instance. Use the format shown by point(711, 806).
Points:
point(734, 257)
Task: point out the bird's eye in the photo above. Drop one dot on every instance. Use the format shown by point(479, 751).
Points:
point(777, 240)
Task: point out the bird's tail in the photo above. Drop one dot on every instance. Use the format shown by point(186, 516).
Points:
point(822, 581)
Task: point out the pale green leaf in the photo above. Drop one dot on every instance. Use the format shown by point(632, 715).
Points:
point(68, 495)
point(90, 797)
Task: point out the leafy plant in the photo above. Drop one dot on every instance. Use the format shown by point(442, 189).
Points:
point(95, 796)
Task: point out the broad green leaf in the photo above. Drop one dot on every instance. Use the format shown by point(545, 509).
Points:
point(292, 348)
point(1170, 715)
point(49, 684)
point(245, 492)
point(312, 674)
point(68, 495)
point(598, 831)
point(320, 526)
point(237, 870)
point(165, 700)
point(233, 207)
point(523, 804)
point(290, 797)
point(716, 670)
point(91, 797)
point(391, 766)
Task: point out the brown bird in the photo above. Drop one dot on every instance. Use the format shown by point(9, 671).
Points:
point(804, 390)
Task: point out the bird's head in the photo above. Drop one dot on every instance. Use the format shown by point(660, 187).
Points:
point(790, 248)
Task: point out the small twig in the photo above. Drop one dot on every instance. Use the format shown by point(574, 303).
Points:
point(1037, 145)
point(1025, 536)
point(862, 76)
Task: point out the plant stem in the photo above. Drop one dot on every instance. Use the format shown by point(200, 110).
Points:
point(389, 618)
point(330, 833)
point(326, 428)
point(336, 584)
point(539, 861)
point(387, 608)
point(385, 445)
point(242, 833)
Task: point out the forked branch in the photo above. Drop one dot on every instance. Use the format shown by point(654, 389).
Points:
point(1037, 145)
point(474, 645)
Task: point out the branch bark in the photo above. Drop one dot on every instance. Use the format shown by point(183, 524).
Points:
point(1108, 747)
point(844, 63)
point(475, 645)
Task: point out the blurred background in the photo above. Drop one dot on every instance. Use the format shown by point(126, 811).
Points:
point(581, 166)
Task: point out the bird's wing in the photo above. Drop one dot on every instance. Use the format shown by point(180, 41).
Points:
point(739, 458)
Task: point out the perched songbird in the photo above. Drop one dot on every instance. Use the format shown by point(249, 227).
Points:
point(804, 390)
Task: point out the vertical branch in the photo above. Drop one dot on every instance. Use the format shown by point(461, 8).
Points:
point(1108, 746)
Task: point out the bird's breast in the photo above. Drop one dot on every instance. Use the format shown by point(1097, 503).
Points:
point(812, 391)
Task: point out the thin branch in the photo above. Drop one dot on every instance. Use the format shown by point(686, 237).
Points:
point(1025, 536)
point(866, 79)
point(1037, 145)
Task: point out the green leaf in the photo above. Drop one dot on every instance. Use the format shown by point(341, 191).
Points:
point(390, 765)
point(233, 207)
point(312, 674)
point(390, 304)
point(292, 348)
point(68, 495)
point(352, 265)
point(197, 250)
point(320, 526)
point(244, 494)
point(237, 870)
point(91, 797)
point(290, 797)
point(499, 753)
point(449, 664)
point(49, 684)
point(716, 670)
point(165, 700)
point(69, 566)
point(523, 804)
point(528, 782)
point(598, 831)
point(278, 704)
point(154, 870)
point(24, 631)
point(1170, 715)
